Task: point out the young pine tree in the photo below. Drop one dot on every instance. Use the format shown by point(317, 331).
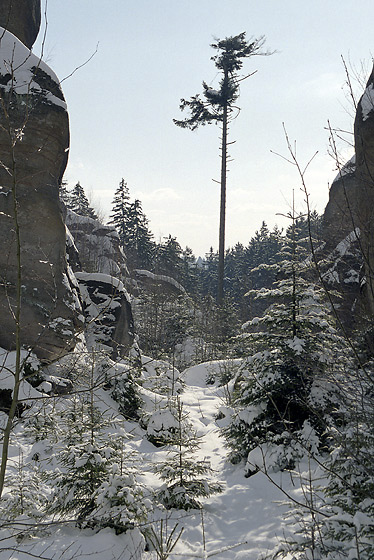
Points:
point(187, 479)
point(95, 481)
point(286, 388)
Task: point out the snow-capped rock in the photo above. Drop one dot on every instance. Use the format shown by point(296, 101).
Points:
point(22, 18)
point(34, 144)
point(109, 321)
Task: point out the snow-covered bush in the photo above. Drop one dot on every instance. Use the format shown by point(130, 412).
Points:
point(161, 377)
point(94, 480)
point(25, 495)
point(162, 427)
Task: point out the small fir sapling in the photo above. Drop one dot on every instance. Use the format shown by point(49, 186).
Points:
point(162, 424)
point(25, 495)
point(187, 480)
point(41, 422)
point(92, 483)
point(349, 492)
point(124, 390)
point(336, 522)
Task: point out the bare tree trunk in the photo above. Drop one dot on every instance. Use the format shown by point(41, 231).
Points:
point(17, 319)
point(222, 216)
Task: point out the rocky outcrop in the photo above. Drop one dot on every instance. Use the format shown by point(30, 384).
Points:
point(340, 216)
point(109, 321)
point(349, 215)
point(160, 283)
point(342, 270)
point(22, 18)
point(98, 246)
point(34, 143)
point(364, 147)
point(99, 264)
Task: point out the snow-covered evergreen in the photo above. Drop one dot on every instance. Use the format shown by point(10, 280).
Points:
point(286, 390)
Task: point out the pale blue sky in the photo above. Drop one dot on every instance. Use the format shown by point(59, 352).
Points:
point(153, 52)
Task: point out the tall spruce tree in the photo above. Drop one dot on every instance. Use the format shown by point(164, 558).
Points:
point(119, 216)
point(219, 106)
point(79, 202)
point(168, 258)
point(140, 246)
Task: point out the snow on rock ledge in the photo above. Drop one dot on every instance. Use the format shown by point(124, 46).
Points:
point(98, 246)
point(109, 321)
point(24, 74)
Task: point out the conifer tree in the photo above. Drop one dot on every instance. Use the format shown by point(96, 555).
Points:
point(79, 202)
point(95, 481)
point(188, 271)
point(336, 520)
point(25, 495)
point(187, 480)
point(64, 194)
point(168, 258)
point(286, 388)
point(348, 531)
point(219, 106)
point(208, 273)
point(139, 242)
point(119, 216)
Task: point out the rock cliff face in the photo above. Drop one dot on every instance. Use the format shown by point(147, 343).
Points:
point(98, 246)
point(107, 308)
point(22, 18)
point(340, 216)
point(34, 141)
point(350, 215)
point(37, 273)
point(364, 147)
point(100, 267)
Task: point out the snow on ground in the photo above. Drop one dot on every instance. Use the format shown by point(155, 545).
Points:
point(244, 522)
point(248, 510)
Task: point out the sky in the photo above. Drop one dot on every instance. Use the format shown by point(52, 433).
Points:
point(149, 54)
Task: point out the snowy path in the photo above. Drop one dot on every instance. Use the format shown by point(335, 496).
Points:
point(247, 509)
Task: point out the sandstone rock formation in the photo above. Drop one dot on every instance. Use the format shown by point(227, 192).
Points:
point(364, 147)
point(340, 216)
point(160, 283)
point(100, 267)
point(350, 215)
point(22, 18)
point(107, 308)
point(34, 141)
point(98, 246)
